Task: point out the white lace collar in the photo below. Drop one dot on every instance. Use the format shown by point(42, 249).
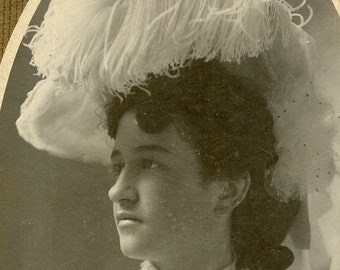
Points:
point(146, 265)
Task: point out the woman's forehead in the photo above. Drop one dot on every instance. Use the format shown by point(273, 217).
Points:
point(130, 138)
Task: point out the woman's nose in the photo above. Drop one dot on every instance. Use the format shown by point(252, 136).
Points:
point(124, 189)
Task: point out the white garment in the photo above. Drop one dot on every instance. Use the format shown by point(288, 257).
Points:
point(146, 265)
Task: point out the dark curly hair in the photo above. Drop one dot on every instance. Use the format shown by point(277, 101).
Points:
point(226, 119)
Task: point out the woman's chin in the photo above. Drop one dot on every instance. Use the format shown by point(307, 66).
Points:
point(134, 247)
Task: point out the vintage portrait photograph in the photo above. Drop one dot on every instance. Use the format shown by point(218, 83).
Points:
point(170, 135)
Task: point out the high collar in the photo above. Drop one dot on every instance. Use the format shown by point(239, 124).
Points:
point(146, 265)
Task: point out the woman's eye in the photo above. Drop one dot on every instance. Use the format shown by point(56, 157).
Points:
point(117, 169)
point(150, 164)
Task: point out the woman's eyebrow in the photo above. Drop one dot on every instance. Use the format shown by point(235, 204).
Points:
point(143, 148)
point(152, 148)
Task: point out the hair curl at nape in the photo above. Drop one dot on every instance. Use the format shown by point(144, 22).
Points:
point(226, 120)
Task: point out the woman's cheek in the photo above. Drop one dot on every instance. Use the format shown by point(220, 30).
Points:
point(158, 193)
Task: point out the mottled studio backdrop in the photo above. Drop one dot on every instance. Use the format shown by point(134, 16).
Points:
point(54, 213)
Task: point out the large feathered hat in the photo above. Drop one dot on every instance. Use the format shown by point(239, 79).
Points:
point(87, 51)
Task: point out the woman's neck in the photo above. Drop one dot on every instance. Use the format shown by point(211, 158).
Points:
point(211, 252)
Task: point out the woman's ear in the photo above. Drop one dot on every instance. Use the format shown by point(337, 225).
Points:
point(231, 193)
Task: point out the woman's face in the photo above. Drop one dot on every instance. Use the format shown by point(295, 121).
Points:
point(159, 204)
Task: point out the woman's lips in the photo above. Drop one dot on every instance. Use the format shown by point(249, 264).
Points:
point(127, 218)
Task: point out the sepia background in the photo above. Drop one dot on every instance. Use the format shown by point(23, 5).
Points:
point(10, 11)
point(55, 213)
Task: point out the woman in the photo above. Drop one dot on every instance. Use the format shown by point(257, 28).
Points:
point(184, 159)
point(210, 161)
